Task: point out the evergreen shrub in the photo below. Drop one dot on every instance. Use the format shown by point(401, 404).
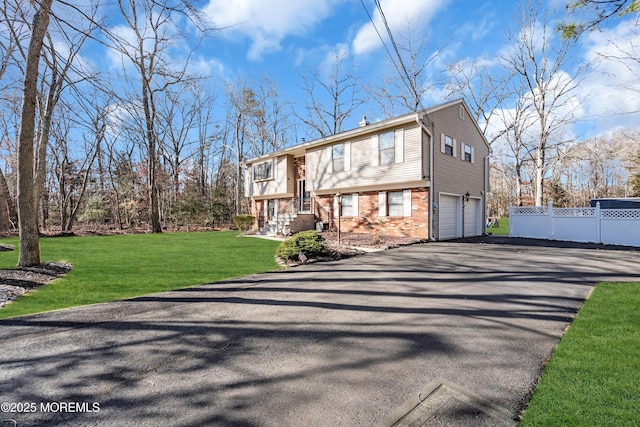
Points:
point(310, 243)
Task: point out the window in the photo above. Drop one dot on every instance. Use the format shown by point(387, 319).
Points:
point(271, 208)
point(394, 203)
point(263, 171)
point(347, 205)
point(337, 157)
point(448, 145)
point(467, 153)
point(387, 148)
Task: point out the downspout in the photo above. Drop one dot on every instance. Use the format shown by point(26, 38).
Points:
point(485, 179)
point(431, 196)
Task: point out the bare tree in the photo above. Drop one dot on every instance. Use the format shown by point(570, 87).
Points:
point(411, 79)
point(153, 24)
point(27, 207)
point(330, 99)
point(539, 63)
point(485, 91)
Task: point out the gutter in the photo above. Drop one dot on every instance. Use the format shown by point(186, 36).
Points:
point(431, 192)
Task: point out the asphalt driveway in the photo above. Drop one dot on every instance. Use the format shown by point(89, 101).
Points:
point(452, 333)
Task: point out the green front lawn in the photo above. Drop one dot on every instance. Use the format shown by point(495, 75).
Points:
point(107, 268)
point(593, 377)
point(502, 229)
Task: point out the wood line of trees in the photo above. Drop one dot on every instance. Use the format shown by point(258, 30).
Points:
point(154, 144)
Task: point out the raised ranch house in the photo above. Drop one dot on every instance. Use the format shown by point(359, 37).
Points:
point(423, 174)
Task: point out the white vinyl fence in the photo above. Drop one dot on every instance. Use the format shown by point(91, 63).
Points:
point(608, 226)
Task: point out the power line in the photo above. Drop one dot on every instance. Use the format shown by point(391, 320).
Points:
point(402, 69)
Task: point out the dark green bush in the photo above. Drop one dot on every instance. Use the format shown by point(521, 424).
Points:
point(244, 222)
point(310, 243)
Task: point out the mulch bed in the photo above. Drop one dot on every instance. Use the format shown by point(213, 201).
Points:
point(369, 241)
point(18, 281)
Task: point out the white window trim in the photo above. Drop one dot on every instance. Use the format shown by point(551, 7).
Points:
point(375, 150)
point(354, 204)
point(383, 208)
point(346, 158)
point(406, 203)
point(382, 203)
point(463, 153)
point(398, 143)
point(443, 145)
point(271, 175)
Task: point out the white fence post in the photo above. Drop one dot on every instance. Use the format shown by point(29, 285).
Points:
point(510, 220)
point(598, 223)
point(550, 213)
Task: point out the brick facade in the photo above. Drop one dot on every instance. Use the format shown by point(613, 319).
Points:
point(368, 221)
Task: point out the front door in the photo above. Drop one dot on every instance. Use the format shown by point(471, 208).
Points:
point(304, 196)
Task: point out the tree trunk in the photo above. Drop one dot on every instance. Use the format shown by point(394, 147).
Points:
point(149, 116)
point(518, 184)
point(8, 214)
point(27, 206)
point(539, 169)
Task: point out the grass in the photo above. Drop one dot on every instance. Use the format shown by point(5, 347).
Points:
point(502, 230)
point(108, 268)
point(593, 377)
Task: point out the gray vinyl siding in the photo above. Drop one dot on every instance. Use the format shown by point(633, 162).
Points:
point(281, 184)
point(453, 174)
point(361, 173)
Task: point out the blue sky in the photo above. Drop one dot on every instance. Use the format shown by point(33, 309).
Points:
point(282, 39)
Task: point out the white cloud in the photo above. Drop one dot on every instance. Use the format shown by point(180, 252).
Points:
point(398, 13)
point(267, 23)
point(613, 86)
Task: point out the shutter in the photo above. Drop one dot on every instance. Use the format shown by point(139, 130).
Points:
point(399, 145)
point(347, 156)
point(382, 203)
point(442, 143)
point(455, 147)
point(356, 210)
point(335, 206)
point(329, 155)
point(406, 203)
point(375, 150)
point(472, 155)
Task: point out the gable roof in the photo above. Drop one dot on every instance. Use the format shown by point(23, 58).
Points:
point(300, 149)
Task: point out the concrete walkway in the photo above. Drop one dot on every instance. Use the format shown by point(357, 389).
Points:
point(451, 333)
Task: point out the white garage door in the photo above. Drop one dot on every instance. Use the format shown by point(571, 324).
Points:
point(450, 218)
point(472, 218)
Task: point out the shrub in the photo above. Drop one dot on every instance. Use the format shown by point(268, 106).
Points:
point(244, 222)
point(308, 242)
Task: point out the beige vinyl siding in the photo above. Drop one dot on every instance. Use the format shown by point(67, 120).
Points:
point(453, 174)
point(280, 184)
point(361, 173)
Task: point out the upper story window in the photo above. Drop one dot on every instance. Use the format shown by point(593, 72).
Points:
point(449, 145)
point(263, 171)
point(468, 153)
point(387, 148)
point(337, 157)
